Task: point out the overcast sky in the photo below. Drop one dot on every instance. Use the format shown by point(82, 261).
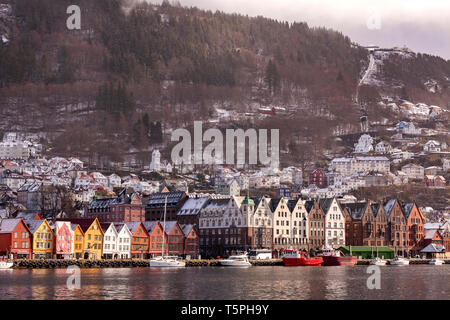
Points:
point(422, 25)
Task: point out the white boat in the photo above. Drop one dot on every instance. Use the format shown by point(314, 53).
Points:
point(6, 265)
point(378, 262)
point(236, 261)
point(436, 262)
point(168, 261)
point(398, 261)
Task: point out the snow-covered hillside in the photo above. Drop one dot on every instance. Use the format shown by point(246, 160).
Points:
point(373, 75)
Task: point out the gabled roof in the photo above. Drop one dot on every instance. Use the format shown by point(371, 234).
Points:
point(325, 204)
point(187, 228)
point(121, 226)
point(274, 204)
point(309, 204)
point(389, 206)
point(169, 226)
point(33, 225)
point(73, 226)
point(132, 226)
point(105, 226)
point(28, 215)
point(8, 225)
point(150, 225)
point(356, 210)
point(429, 233)
point(407, 208)
point(257, 201)
point(375, 208)
point(292, 203)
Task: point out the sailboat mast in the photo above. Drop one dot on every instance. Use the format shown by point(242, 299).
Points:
point(164, 227)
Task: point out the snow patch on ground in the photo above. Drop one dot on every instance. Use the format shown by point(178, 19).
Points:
point(6, 19)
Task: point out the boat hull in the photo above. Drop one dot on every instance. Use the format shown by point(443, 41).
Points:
point(296, 262)
point(167, 264)
point(399, 263)
point(226, 263)
point(6, 265)
point(378, 263)
point(339, 261)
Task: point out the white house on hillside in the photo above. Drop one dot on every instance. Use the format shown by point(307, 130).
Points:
point(383, 147)
point(446, 164)
point(432, 146)
point(413, 171)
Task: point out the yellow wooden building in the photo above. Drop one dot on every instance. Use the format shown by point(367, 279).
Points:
point(78, 241)
point(43, 238)
point(93, 239)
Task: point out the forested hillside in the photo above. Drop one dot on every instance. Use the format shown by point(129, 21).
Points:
point(135, 71)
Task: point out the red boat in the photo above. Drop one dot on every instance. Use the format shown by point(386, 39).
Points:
point(294, 258)
point(332, 257)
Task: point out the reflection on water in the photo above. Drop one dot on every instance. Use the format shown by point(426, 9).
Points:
point(409, 282)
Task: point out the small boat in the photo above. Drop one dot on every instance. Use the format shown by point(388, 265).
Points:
point(240, 260)
point(6, 265)
point(398, 261)
point(167, 262)
point(332, 257)
point(293, 258)
point(378, 262)
point(436, 262)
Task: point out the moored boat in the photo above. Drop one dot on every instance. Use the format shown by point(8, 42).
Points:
point(378, 262)
point(240, 260)
point(398, 261)
point(167, 262)
point(292, 258)
point(332, 257)
point(436, 262)
point(6, 265)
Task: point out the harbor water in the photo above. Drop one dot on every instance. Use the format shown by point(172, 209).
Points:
point(203, 283)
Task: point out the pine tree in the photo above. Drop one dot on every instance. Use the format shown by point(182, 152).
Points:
point(272, 77)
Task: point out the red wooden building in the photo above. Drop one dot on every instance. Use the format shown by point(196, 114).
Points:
point(318, 178)
point(15, 239)
point(434, 181)
point(175, 238)
point(139, 241)
point(156, 238)
point(415, 220)
point(433, 236)
point(63, 240)
point(191, 241)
